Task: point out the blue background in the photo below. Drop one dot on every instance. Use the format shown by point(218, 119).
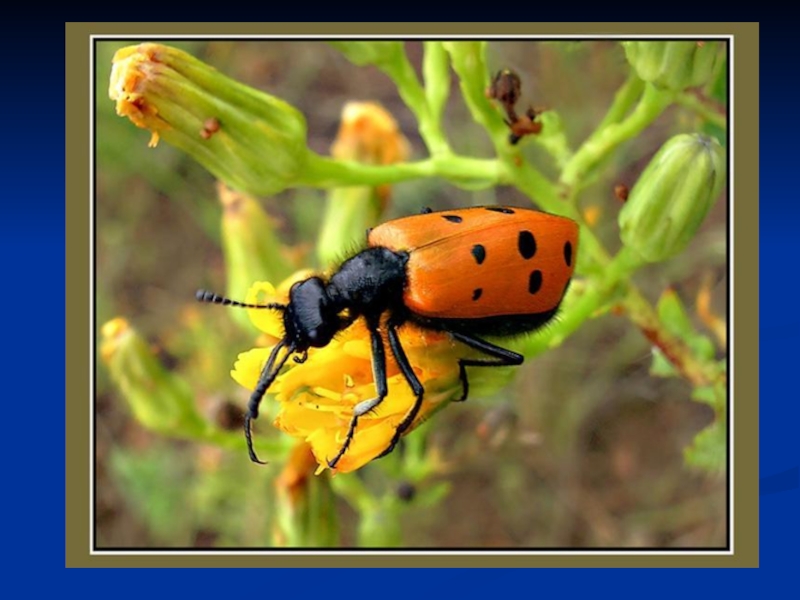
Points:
point(32, 239)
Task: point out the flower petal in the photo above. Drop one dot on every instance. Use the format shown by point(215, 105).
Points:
point(268, 321)
point(248, 366)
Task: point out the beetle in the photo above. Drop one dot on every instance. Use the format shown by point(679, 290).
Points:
point(472, 272)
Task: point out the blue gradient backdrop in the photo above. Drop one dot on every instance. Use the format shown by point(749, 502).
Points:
point(779, 322)
point(32, 238)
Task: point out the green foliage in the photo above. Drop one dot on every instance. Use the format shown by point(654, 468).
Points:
point(708, 451)
point(154, 489)
point(676, 320)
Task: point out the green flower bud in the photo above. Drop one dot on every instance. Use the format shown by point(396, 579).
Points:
point(251, 247)
point(159, 399)
point(673, 195)
point(371, 53)
point(673, 65)
point(250, 140)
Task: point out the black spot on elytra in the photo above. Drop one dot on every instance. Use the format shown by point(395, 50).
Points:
point(526, 244)
point(500, 209)
point(568, 253)
point(476, 293)
point(479, 253)
point(535, 281)
point(452, 218)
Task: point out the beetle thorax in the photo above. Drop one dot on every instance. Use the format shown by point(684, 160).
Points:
point(370, 282)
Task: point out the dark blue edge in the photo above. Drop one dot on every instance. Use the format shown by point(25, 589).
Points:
point(40, 227)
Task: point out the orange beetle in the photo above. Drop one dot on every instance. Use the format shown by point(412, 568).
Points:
point(471, 272)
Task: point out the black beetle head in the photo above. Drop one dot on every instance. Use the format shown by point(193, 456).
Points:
point(311, 319)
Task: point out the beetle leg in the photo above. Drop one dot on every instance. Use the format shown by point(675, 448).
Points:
point(411, 377)
point(500, 357)
point(268, 374)
point(379, 375)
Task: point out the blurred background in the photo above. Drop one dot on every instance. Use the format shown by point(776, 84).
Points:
point(584, 448)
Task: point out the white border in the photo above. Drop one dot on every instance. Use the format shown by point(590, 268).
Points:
point(410, 552)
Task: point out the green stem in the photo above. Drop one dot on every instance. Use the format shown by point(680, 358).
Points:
point(353, 490)
point(436, 71)
point(470, 65)
point(540, 189)
point(693, 368)
point(624, 99)
point(703, 109)
point(413, 94)
point(475, 173)
point(604, 140)
point(380, 526)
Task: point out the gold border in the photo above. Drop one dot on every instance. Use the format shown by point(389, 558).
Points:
point(744, 322)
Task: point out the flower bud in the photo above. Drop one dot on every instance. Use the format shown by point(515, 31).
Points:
point(673, 195)
point(377, 53)
point(674, 65)
point(160, 400)
point(250, 140)
point(252, 249)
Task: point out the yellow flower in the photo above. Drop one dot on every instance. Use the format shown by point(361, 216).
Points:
point(317, 396)
point(369, 134)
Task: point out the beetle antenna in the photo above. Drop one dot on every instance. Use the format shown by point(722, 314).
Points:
point(268, 375)
point(206, 296)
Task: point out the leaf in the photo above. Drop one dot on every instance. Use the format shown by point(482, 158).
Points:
point(676, 320)
point(709, 448)
point(661, 366)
